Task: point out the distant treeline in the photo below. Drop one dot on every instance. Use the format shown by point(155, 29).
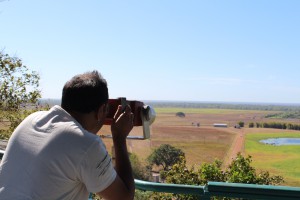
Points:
point(277, 125)
point(285, 115)
point(212, 105)
point(235, 106)
point(49, 102)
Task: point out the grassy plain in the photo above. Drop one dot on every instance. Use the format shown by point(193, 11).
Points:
point(200, 144)
point(205, 143)
point(281, 160)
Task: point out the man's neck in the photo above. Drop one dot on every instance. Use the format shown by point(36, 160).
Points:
point(87, 121)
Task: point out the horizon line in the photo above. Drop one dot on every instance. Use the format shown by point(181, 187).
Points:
point(212, 102)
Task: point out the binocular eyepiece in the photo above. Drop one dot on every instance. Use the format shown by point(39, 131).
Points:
point(144, 115)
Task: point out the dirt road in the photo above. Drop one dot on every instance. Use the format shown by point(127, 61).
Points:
point(238, 145)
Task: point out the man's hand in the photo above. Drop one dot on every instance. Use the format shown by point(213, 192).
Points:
point(123, 186)
point(122, 123)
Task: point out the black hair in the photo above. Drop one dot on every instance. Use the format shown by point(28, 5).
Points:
point(85, 93)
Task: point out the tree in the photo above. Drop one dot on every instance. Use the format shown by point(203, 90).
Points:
point(140, 171)
point(251, 124)
point(19, 92)
point(258, 125)
point(212, 172)
point(239, 171)
point(180, 114)
point(165, 156)
point(241, 124)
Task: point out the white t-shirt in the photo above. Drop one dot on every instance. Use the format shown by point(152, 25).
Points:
point(51, 156)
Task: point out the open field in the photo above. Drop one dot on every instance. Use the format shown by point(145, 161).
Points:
point(206, 143)
point(200, 144)
point(281, 160)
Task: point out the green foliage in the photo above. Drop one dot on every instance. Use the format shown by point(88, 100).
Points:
point(264, 178)
point(277, 125)
point(139, 170)
point(239, 171)
point(161, 196)
point(94, 196)
point(241, 124)
point(251, 125)
point(165, 156)
point(212, 172)
point(258, 125)
point(15, 80)
point(180, 174)
point(19, 92)
point(285, 115)
point(141, 195)
point(180, 114)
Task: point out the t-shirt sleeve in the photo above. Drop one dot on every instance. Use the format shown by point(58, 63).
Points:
point(97, 171)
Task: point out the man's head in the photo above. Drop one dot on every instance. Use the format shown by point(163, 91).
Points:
point(85, 93)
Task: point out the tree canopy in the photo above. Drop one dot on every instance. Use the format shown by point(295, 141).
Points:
point(239, 171)
point(19, 92)
point(165, 156)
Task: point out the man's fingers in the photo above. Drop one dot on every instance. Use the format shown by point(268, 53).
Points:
point(120, 110)
point(123, 122)
point(118, 113)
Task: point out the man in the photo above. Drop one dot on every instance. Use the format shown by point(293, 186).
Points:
point(56, 154)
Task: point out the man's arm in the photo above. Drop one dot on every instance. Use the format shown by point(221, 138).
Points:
point(123, 186)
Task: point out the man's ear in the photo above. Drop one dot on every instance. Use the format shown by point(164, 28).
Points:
point(101, 112)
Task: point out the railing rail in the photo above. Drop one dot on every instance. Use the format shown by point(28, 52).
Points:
point(221, 189)
point(170, 188)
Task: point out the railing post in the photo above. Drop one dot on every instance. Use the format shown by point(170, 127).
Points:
point(206, 195)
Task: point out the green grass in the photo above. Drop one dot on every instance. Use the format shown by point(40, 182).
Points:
point(278, 160)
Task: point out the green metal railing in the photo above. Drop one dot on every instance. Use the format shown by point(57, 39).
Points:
point(170, 188)
point(221, 189)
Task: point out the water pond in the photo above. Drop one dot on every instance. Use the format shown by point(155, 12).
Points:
point(281, 141)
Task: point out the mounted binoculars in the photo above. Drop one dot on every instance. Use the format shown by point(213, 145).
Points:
point(144, 115)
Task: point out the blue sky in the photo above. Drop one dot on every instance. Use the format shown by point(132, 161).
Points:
point(236, 51)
